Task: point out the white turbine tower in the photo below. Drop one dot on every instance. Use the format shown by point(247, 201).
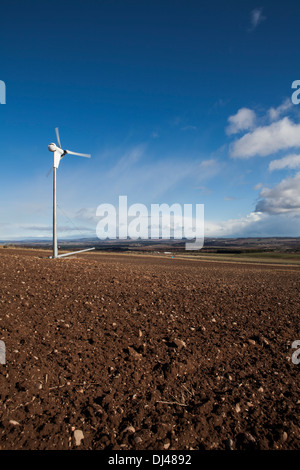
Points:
point(58, 154)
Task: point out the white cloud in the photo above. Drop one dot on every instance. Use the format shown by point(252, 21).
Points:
point(265, 140)
point(256, 18)
point(232, 227)
point(241, 121)
point(275, 113)
point(255, 224)
point(283, 198)
point(290, 161)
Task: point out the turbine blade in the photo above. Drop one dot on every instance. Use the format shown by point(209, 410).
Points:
point(57, 136)
point(86, 155)
point(49, 171)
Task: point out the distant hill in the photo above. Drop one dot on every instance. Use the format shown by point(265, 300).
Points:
point(211, 245)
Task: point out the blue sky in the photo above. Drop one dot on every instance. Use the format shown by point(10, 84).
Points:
point(178, 101)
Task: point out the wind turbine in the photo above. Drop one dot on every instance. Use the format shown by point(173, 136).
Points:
point(58, 154)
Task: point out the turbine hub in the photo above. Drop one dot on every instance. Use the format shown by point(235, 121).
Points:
point(52, 147)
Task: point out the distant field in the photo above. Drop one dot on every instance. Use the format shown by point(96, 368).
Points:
point(260, 257)
point(272, 258)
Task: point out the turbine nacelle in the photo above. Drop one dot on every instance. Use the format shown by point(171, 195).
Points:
point(52, 147)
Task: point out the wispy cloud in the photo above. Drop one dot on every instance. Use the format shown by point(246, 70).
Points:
point(189, 128)
point(291, 162)
point(155, 135)
point(204, 190)
point(137, 173)
point(256, 18)
point(48, 229)
point(275, 113)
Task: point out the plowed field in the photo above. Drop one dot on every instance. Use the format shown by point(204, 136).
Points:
point(142, 352)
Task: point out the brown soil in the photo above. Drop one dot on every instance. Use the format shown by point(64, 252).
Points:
point(147, 353)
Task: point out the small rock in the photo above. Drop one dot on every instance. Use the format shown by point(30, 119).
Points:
point(129, 429)
point(251, 341)
point(179, 343)
point(284, 436)
point(78, 436)
point(13, 422)
point(229, 444)
point(237, 408)
point(250, 437)
point(138, 440)
point(260, 390)
point(167, 445)
point(134, 353)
